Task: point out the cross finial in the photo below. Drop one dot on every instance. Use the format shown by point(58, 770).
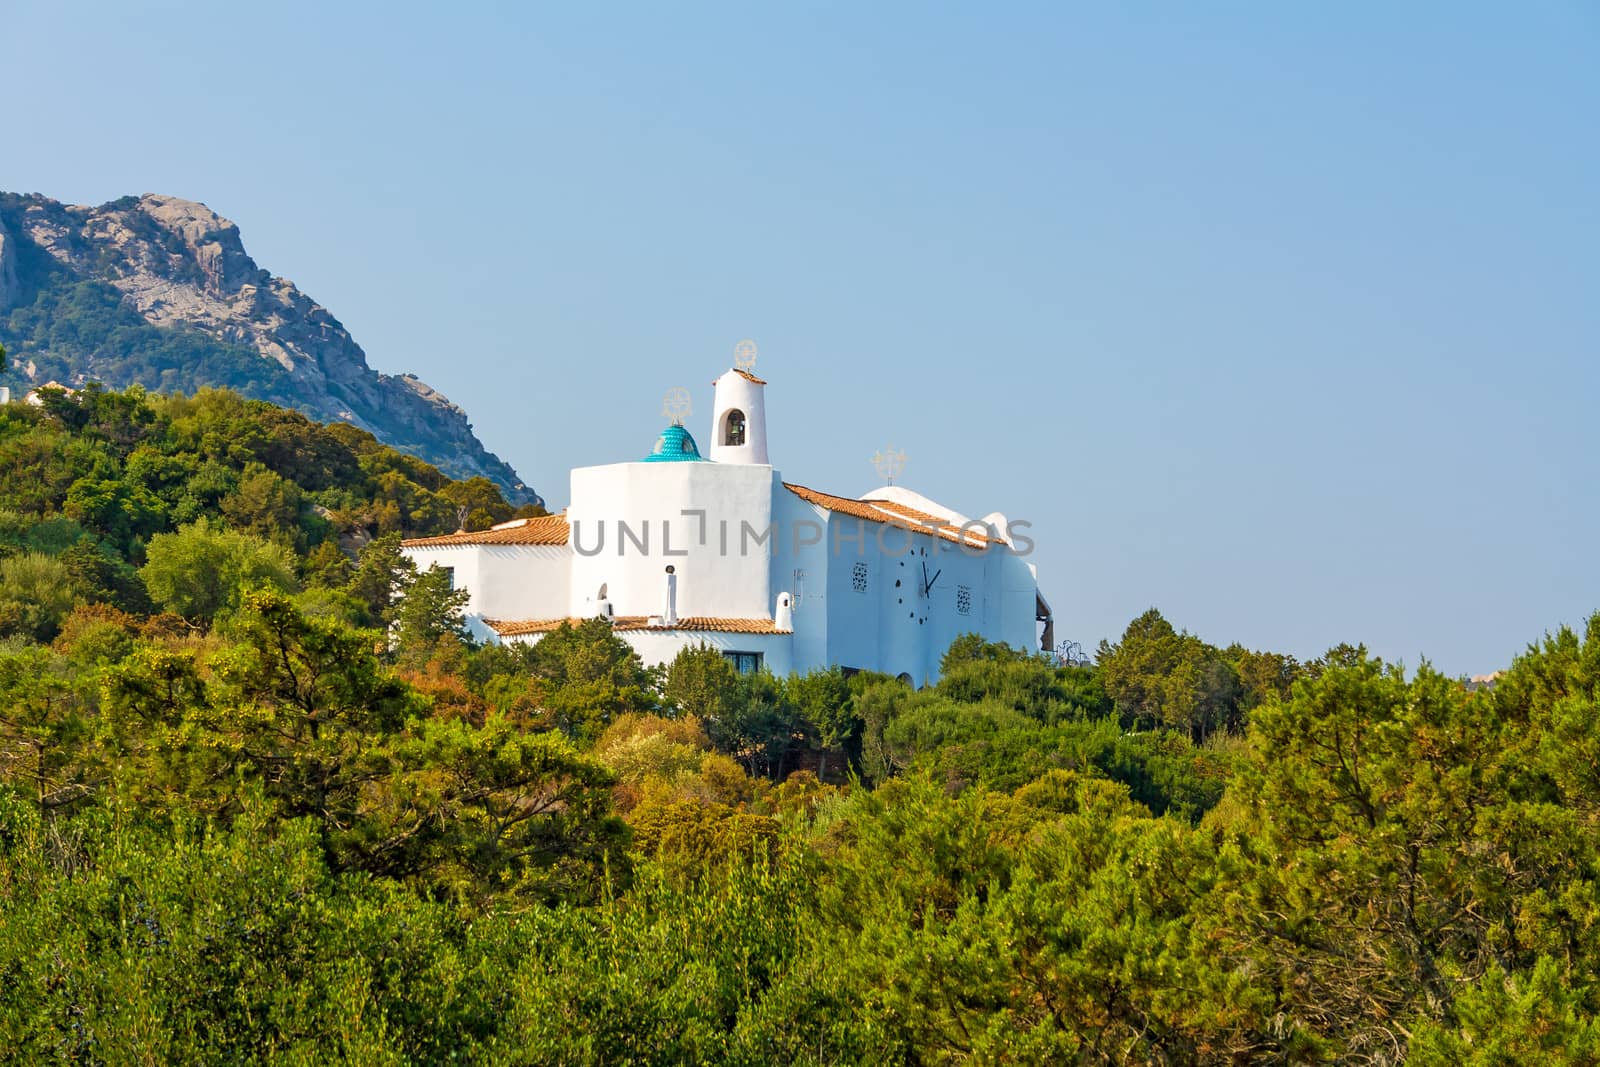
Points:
point(675, 405)
point(889, 462)
point(744, 355)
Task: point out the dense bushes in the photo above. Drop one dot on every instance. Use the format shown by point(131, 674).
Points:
point(261, 800)
point(194, 871)
point(118, 469)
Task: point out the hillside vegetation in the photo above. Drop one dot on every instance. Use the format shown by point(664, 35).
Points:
point(262, 800)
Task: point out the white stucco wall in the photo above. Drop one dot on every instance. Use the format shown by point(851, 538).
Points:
point(721, 571)
point(505, 581)
point(895, 629)
point(800, 566)
point(662, 646)
point(1018, 625)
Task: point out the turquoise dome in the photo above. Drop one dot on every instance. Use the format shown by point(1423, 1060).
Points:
point(674, 446)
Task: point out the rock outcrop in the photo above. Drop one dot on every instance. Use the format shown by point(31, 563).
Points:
point(180, 266)
point(10, 287)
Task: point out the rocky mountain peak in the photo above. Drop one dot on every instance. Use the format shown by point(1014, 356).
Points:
point(178, 265)
point(10, 286)
point(210, 239)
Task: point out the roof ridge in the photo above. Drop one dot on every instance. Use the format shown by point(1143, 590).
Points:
point(747, 376)
point(895, 514)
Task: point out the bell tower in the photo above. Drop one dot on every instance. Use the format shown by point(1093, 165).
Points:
point(739, 412)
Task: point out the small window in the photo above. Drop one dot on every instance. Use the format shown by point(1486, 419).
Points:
point(450, 573)
point(733, 433)
point(964, 599)
point(858, 577)
point(744, 662)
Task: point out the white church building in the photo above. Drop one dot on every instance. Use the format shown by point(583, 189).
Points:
point(679, 549)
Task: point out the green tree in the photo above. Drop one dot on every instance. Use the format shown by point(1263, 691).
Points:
point(326, 567)
point(47, 747)
point(701, 682)
point(758, 726)
point(202, 570)
point(1076, 948)
point(479, 499)
point(1263, 676)
point(879, 703)
point(100, 574)
point(588, 676)
point(1409, 836)
point(693, 839)
point(974, 671)
point(1532, 1019)
point(123, 512)
point(430, 608)
point(36, 593)
point(750, 717)
point(494, 810)
point(1156, 675)
point(303, 710)
point(638, 747)
point(264, 503)
point(826, 707)
point(382, 574)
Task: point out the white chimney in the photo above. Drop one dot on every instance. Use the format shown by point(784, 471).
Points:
point(783, 617)
point(671, 616)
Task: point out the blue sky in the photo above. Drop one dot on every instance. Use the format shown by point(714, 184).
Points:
point(1284, 319)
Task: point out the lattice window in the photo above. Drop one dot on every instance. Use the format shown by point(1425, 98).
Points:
point(964, 599)
point(858, 577)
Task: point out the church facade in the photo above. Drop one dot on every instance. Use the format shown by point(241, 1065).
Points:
point(678, 549)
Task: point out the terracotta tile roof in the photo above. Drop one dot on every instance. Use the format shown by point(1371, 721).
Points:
point(717, 624)
point(546, 530)
point(747, 376)
point(625, 623)
point(893, 514)
point(519, 627)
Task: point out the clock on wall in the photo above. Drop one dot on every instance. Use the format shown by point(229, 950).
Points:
point(914, 588)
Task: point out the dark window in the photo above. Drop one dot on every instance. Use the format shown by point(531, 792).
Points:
point(450, 573)
point(744, 662)
point(734, 432)
point(858, 577)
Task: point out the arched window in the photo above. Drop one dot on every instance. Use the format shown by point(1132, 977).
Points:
point(733, 428)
